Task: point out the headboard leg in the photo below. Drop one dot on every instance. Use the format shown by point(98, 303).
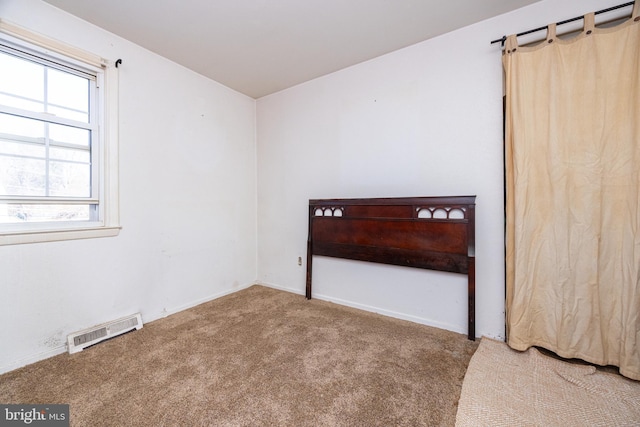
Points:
point(472, 298)
point(309, 268)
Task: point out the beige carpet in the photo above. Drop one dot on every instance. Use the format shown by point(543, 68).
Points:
point(257, 357)
point(504, 387)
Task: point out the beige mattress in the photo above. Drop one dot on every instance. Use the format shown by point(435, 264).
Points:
point(504, 387)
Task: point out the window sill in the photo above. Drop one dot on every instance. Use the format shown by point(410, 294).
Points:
point(38, 236)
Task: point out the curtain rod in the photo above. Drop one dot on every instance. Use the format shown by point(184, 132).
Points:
point(609, 9)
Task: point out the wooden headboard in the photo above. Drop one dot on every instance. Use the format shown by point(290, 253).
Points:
point(436, 233)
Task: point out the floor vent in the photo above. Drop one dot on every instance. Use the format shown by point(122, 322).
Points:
point(80, 340)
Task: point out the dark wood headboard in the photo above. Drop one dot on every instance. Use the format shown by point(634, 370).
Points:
point(435, 233)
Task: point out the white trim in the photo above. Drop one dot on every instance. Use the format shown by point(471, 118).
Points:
point(44, 42)
point(45, 117)
point(280, 288)
point(33, 236)
point(168, 312)
point(109, 138)
point(34, 358)
point(372, 309)
point(62, 348)
point(53, 200)
point(394, 314)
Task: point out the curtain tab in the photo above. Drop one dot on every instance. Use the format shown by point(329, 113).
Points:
point(589, 23)
point(551, 33)
point(511, 45)
point(635, 13)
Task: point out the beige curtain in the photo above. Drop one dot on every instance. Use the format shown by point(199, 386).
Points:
point(573, 205)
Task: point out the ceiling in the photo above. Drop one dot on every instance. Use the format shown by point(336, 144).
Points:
point(258, 47)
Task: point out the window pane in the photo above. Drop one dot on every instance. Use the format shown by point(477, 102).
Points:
point(70, 154)
point(21, 149)
point(68, 114)
point(69, 179)
point(15, 213)
point(22, 177)
point(21, 79)
point(25, 104)
point(19, 126)
point(68, 91)
point(69, 135)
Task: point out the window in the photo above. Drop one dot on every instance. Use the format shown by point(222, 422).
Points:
point(58, 146)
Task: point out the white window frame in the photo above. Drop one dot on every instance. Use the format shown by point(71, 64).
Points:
point(108, 221)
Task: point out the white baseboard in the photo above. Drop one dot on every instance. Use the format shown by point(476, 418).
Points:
point(167, 312)
point(365, 307)
point(147, 318)
point(390, 313)
point(281, 288)
point(33, 359)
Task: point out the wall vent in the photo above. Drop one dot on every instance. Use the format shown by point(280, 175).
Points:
point(80, 340)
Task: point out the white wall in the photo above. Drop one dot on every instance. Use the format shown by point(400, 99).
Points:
point(425, 120)
point(187, 204)
point(422, 121)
